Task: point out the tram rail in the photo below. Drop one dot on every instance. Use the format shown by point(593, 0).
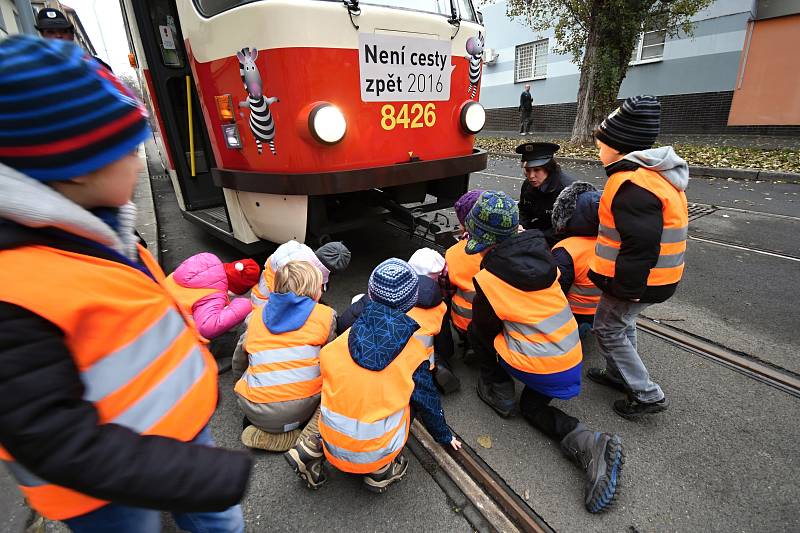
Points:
point(769, 374)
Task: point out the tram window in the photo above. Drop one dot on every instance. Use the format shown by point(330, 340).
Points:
point(209, 8)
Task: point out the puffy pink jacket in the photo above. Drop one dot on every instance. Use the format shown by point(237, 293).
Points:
point(213, 314)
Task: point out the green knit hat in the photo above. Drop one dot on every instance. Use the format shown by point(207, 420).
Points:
point(493, 219)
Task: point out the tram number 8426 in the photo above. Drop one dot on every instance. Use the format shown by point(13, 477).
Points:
point(416, 116)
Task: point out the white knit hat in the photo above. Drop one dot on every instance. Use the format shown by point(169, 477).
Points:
point(427, 262)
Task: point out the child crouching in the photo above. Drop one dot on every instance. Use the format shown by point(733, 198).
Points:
point(279, 391)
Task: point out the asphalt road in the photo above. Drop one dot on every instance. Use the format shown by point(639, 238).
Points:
point(722, 458)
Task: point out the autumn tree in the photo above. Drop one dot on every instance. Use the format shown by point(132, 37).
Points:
point(601, 36)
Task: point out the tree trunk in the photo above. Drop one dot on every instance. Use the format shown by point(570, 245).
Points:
point(584, 121)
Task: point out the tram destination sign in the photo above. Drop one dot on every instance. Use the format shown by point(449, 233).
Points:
point(403, 69)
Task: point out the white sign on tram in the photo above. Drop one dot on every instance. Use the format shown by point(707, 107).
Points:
point(403, 69)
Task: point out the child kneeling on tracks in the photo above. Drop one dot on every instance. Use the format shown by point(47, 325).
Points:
point(280, 389)
point(522, 328)
point(575, 221)
point(429, 312)
point(105, 389)
point(372, 375)
point(201, 284)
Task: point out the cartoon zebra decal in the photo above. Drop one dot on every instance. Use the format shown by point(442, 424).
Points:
point(475, 51)
point(261, 123)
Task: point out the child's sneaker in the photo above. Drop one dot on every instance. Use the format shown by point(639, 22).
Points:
point(306, 460)
point(380, 480)
point(253, 437)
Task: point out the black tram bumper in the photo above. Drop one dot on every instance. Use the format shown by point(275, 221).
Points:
point(401, 195)
point(348, 181)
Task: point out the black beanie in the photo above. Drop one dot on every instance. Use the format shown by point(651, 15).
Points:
point(632, 126)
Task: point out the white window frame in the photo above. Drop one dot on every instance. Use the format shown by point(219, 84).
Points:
point(640, 46)
point(532, 76)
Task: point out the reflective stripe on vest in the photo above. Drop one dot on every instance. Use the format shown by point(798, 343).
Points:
point(583, 295)
point(461, 267)
point(284, 366)
point(540, 335)
point(670, 263)
point(142, 367)
point(364, 414)
point(363, 431)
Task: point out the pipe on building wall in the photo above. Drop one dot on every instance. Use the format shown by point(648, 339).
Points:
point(25, 12)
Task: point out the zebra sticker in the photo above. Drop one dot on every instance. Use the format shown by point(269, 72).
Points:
point(261, 123)
point(475, 57)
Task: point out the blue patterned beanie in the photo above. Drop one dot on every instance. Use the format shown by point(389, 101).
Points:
point(62, 114)
point(493, 219)
point(394, 284)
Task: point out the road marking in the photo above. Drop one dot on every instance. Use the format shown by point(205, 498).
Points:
point(734, 246)
point(750, 211)
point(499, 176)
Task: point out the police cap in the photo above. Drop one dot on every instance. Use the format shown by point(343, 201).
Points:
point(536, 154)
point(52, 19)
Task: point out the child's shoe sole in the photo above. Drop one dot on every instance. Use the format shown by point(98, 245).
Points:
point(299, 467)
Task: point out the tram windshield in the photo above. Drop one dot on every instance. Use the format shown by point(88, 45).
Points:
point(466, 11)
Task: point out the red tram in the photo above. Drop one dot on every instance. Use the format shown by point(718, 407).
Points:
point(294, 119)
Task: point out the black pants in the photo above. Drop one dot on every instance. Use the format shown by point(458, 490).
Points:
point(533, 405)
point(525, 120)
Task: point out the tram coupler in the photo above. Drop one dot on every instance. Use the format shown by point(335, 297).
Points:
point(421, 222)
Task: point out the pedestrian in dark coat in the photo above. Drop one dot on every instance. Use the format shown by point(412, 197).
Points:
point(525, 111)
point(544, 181)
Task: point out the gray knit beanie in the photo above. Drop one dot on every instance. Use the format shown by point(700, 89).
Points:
point(334, 255)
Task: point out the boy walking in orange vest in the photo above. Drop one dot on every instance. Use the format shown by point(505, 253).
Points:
point(105, 389)
point(639, 256)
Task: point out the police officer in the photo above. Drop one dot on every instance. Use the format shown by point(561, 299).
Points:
point(544, 181)
point(53, 24)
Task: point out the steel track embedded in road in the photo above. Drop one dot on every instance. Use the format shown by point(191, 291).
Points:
point(781, 379)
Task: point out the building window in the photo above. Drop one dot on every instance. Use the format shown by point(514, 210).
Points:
point(649, 47)
point(530, 61)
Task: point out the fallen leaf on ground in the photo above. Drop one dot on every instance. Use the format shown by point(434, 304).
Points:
point(485, 441)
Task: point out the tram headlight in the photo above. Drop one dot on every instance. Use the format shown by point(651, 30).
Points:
point(231, 135)
point(473, 117)
point(327, 123)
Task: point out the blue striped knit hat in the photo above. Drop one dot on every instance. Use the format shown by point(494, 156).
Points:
point(394, 284)
point(493, 219)
point(62, 114)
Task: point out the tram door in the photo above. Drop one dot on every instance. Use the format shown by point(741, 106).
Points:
point(161, 36)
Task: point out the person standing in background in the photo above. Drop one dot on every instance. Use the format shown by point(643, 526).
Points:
point(525, 111)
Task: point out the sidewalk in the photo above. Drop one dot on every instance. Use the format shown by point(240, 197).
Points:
point(143, 198)
point(745, 141)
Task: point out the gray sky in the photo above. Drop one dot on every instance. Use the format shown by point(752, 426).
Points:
point(110, 28)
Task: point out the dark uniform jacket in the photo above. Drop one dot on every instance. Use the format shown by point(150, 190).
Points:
point(536, 204)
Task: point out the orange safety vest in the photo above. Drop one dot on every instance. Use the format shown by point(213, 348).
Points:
point(430, 324)
point(140, 362)
point(186, 296)
point(364, 414)
point(669, 268)
point(540, 335)
point(461, 267)
point(266, 282)
point(583, 295)
point(284, 366)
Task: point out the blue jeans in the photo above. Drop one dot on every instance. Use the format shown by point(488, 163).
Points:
point(123, 519)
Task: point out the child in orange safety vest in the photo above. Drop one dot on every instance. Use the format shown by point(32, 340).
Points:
point(522, 328)
point(280, 384)
point(641, 244)
point(575, 223)
point(106, 390)
point(461, 267)
point(372, 375)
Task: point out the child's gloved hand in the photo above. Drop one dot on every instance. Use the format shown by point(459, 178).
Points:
point(455, 443)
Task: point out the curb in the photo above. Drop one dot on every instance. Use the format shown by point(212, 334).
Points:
point(748, 174)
